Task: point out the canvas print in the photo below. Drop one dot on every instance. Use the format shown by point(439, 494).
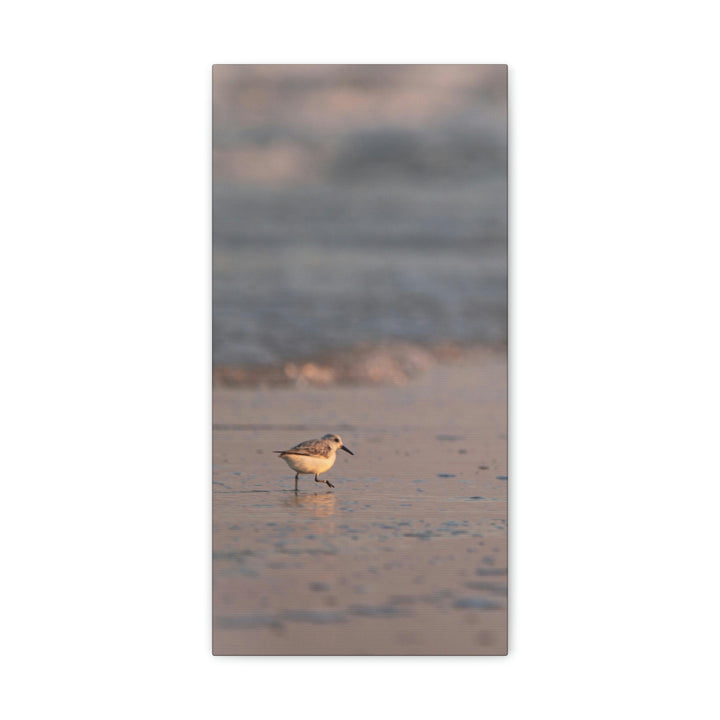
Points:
point(360, 469)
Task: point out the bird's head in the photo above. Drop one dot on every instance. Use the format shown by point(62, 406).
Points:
point(336, 442)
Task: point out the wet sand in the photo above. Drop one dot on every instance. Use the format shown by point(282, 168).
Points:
point(406, 556)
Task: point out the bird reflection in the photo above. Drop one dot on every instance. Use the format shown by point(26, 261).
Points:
point(319, 504)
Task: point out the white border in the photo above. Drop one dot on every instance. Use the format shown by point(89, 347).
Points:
point(106, 321)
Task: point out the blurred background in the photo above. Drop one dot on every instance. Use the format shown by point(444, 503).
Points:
point(357, 205)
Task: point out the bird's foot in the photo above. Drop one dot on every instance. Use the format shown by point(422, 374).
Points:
point(329, 484)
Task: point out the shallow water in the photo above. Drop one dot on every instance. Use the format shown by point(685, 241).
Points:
point(407, 555)
point(368, 552)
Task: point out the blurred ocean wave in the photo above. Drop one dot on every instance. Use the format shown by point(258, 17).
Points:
point(357, 205)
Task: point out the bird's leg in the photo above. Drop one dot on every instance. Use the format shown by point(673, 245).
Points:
point(296, 479)
point(327, 482)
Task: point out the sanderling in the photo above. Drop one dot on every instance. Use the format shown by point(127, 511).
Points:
point(313, 457)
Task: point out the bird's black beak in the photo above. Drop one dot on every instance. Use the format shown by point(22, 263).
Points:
point(342, 447)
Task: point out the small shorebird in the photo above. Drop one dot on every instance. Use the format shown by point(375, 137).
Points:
point(313, 457)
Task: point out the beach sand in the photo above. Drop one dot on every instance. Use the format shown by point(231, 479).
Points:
point(406, 556)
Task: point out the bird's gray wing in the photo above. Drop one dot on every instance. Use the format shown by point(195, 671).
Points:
point(311, 448)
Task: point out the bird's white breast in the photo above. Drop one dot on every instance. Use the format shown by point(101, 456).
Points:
point(310, 465)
